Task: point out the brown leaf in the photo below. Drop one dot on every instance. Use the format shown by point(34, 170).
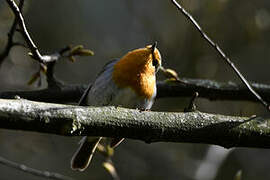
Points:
point(108, 165)
point(170, 73)
point(33, 78)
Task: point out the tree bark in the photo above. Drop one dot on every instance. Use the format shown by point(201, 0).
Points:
point(193, 127)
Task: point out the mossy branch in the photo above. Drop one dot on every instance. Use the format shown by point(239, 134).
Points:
point(193, 127)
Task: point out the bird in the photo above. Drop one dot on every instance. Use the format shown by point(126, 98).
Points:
point(128, 82)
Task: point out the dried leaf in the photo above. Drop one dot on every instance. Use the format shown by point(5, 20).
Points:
point(170, 74)
point(33, 78)
point(43, 68)
point(110, 151)
point(108, 165)
point(101, 148)
point(30, 54)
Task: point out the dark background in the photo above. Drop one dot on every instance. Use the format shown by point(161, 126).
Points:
point(110, 29)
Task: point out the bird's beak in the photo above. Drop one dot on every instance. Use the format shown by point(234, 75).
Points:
point(154, 45)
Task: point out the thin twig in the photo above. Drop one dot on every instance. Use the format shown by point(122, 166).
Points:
point(11, 32)
point(36, 172)
point(220, 52)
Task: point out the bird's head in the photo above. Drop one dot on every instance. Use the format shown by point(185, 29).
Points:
point(137, 68)
point(147, 59)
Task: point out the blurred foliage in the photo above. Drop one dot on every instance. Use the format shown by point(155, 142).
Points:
point(112, 28)
point(238, 175)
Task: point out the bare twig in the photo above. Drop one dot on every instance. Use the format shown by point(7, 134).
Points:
point(35, 172)
point(220, 52)
point(10, 42)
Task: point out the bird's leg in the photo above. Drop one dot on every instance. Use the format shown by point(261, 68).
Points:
point(144, 109)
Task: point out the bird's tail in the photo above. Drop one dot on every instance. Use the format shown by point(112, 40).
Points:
point(82, 157)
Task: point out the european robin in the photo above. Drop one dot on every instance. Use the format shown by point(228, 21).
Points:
point(127, 82)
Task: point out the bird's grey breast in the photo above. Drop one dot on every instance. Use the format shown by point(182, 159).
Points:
point(105, 92)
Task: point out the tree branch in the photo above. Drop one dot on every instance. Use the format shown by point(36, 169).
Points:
point(194, 127)
point(36, 172)
point(208, 89)
point(63, 94)
point(211, 90)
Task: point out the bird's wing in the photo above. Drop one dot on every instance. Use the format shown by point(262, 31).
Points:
point(82, 101)
point(107, 65)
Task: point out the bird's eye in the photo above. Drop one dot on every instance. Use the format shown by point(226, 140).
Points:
point(155, 63)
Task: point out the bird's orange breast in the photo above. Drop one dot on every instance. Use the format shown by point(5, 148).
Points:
point(135, 70)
